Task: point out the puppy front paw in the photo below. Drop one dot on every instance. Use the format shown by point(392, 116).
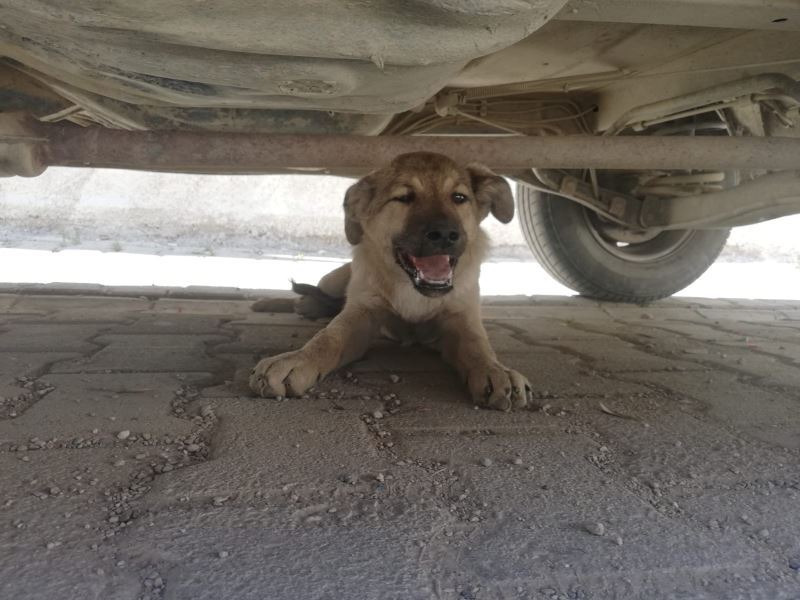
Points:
point(494, 386)
point(288, 374)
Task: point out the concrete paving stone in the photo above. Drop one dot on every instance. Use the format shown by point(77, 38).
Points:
point(109, 403)
point(148, 353)
point(740, 314)
point(752, 411)
point(706, 331)
point(553, 377)
point(746, 341)
point(750, 363)
point(565, 375)
point(537, 330)
point(50, 337)
point(620, 355)
point(636, 314)
point(168, 324)
point(370, 375)
point(6, 302)
point(565, 312)
point(687, 302)
point(664, 445)
point(677, 353)
point(267, 339)
point(15, 398)
point(27, 364)
point(232, 379)
point(228, 308)
point(764, 515)
point(783, 351)
point(790, 317)
point(269, 557)
point(531, 525)
point(519, 300)
point(277, 318)
point(80, 308)
point(309, 447)
point(324, 498)
point(547, 300)
point(389, 357)
point(67, 569)
point(768, 304)
point(163, 340)
point(776, 331)
point(417, 416)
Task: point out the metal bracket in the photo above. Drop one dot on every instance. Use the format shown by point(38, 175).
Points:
point(768, 197)
point(619, 208)
point(21, 149)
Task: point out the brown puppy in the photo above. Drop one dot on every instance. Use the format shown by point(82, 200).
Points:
point(418, 245)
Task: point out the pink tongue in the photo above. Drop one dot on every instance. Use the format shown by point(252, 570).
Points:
point(433, 268)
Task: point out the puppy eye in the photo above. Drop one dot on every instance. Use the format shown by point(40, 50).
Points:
point(405, 198)
point(459, 198)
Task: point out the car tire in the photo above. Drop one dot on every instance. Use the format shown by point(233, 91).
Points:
point(569, 242)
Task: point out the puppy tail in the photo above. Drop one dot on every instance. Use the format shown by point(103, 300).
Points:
point(274, 305)
point(312, 304)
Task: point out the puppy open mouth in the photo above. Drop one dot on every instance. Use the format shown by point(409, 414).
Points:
point(431, 275)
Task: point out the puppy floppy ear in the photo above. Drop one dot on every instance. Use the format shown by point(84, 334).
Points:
point(356, 199)
point(492, 193)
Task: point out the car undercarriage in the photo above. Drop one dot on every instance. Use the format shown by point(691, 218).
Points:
point(638, 131)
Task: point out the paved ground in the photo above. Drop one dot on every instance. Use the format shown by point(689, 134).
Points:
point(663, 460)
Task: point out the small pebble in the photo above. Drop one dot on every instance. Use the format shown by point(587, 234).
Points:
point(123, 435)
point(618, 540)
point(763, 533)
point(218, 500)
point(223, 554)
point(119, 463)
point(517, 461)
point(487, 462)
point(192, 448)
point(377, 415)
point(54, 490)
point(394, 378)
point(596, 528)
point(51, 545)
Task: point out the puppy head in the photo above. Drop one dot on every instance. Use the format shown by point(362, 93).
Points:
point(422, 212)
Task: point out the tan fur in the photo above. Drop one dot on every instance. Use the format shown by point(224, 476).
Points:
point(380, 297)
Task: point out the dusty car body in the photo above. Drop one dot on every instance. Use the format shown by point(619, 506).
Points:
point(639, 130)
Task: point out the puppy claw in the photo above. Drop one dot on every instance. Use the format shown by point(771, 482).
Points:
point(505, 389)
point(288, 374)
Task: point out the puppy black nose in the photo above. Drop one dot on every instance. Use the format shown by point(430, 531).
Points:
point(442, 236)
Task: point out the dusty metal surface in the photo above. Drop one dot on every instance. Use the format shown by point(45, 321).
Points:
point(708, 99)
point(369, 57)
point(195, 152)
point(768, 197)
point(772, 15)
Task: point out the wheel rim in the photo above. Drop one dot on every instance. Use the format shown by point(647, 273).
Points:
point(632, 246)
